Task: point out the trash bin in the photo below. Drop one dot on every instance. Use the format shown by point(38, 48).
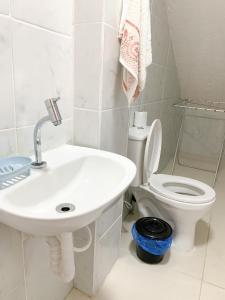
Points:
point(153, 238)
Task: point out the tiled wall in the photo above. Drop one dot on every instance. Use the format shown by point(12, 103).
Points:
point(36, 62)
point(162, 87)
point(36, 51)
point(197, 31)
point(100, 108)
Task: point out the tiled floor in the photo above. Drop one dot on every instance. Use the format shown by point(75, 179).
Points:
point(199, 275)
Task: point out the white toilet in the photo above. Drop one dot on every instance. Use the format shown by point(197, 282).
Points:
point(179, 200)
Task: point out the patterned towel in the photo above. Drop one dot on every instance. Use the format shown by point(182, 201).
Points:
point(135, 50)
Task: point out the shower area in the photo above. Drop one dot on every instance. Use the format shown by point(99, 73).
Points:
point(199, 44)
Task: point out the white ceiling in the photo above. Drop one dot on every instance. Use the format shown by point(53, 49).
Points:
point(198, 35)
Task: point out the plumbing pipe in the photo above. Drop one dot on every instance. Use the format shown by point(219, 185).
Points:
point(61, 253)
point(67, 263)
point(54, 254)
point(62, 256)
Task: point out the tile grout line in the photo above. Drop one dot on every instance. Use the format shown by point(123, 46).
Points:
point(206, 251)
point(24, 268)
point(101, 80)
point(214, 285)
point(13, 79)
point(35, 26)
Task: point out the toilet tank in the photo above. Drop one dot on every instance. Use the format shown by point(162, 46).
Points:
point(136, 149)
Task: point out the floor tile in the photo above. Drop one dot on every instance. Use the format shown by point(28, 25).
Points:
point(215, 260)
point(211, 292)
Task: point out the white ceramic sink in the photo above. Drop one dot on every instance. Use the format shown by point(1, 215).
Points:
point(88, 179)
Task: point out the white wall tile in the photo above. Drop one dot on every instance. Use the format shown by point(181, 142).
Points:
point(108, 217)
point(171, 88)
point(159, 9)
point(8, 142)
point(154, 84)
point(6, 94)
point(153, 109)
point(11, 261)
point(196, 149)
point(114, 130)
point(113, 11)
point(88, 65)
point(52, 137)
point(4, 7)
point(198, 40)
point(41, 282)
point(160, 40)
point(43, 68)
point(107, 252)
point(112, 94)
point(52, 14)
point(88, 11)
point(17, 293)
point(86, 128)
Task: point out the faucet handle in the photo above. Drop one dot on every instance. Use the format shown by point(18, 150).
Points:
point(53, 111)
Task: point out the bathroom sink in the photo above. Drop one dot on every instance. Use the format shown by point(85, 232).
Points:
point(75, 188)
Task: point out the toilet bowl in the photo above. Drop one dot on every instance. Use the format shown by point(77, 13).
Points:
point(181, 201)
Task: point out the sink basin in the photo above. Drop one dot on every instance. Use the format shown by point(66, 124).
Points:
point(75, 188)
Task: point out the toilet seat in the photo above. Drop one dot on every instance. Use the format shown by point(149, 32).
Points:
point(181, 189)
point(175, 188)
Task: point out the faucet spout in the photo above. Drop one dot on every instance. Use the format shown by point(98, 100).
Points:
point(54, 117)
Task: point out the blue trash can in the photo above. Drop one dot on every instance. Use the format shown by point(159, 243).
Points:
point(153, 238)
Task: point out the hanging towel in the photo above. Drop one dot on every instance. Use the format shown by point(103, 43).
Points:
point(135, 49)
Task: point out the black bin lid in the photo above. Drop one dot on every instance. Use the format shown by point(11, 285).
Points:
point(153, 228)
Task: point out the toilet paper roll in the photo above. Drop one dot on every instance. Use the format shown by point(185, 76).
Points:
point(140, 118)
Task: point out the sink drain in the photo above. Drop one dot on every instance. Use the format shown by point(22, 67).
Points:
point(65, 208)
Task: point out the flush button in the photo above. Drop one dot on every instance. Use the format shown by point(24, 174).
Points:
point(65, 208)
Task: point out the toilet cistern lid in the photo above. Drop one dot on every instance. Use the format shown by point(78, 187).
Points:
point(152, 150)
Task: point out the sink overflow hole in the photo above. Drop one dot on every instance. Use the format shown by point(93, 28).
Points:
point(65, 207)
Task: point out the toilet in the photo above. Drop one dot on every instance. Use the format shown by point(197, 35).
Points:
point(181, 201)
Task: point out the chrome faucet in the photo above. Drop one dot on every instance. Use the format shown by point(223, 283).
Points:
point(56, 119)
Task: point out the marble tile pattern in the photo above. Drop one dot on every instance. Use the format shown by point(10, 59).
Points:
point(36, 62)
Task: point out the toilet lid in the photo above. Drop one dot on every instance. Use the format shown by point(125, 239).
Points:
point(152, 150)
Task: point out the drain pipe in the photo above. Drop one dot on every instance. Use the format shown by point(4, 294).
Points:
point(62, 256)
point(61, 253)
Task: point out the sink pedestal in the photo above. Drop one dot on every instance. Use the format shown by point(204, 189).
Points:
point(93, 265)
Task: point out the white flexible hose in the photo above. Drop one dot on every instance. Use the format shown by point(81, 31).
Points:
point(61, 253)
point(62, 256)
point(54, 254)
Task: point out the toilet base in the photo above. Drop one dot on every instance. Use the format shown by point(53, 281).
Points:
point(183, 220)
point(184, 236)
